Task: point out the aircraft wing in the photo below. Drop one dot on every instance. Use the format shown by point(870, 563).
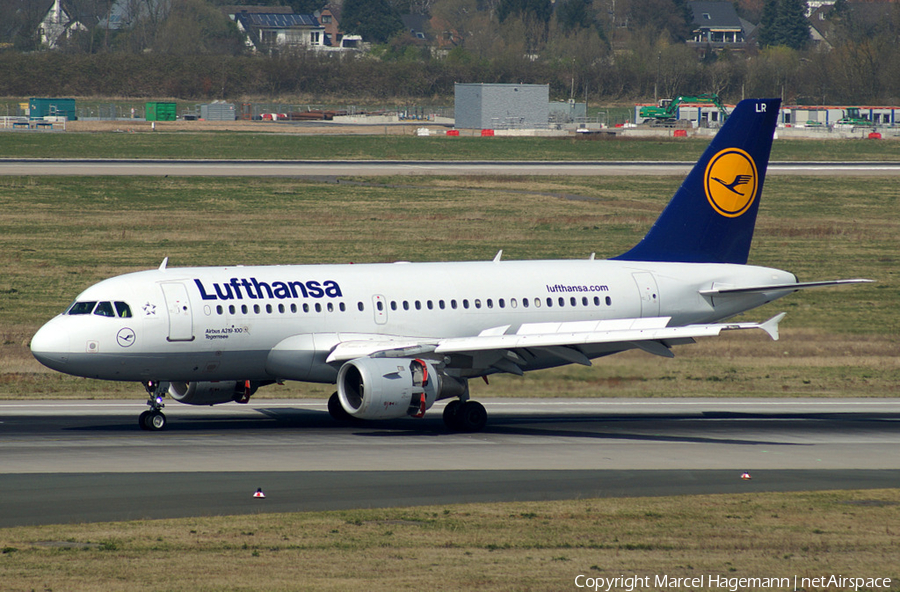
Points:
point(561, 339)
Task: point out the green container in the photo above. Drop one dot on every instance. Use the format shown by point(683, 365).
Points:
point(161, 111)
point(40, 108)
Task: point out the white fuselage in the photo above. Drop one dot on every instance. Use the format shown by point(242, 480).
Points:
point(224, 323)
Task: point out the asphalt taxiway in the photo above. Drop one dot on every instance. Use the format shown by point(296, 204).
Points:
point(75, 461)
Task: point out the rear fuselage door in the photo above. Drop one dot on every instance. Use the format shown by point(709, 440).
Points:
point(181, 321)
point(649, 293)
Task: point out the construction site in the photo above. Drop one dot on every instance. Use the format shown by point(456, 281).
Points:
point(479, 109)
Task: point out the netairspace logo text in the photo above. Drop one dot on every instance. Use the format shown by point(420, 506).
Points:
point(624, 583)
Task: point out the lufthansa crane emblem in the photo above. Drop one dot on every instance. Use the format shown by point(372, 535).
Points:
point(125, 338)
point(731, 182)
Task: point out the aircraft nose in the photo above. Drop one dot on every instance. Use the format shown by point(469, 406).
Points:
point(50, 345)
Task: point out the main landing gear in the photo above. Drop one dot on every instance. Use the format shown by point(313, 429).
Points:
point(153, 419)
point(336, 410)
point(459, 416)
point(465, 416)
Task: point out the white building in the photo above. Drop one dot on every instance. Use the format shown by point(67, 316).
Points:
point(267, 31)
point(60, 22)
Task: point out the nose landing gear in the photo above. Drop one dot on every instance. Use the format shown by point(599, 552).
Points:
point(154, 419)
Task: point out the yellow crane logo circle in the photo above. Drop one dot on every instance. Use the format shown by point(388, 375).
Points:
point(731, 182)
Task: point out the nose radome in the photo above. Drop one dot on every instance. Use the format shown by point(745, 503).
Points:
point(51, 345)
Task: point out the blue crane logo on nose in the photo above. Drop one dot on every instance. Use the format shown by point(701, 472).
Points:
point(126, 337)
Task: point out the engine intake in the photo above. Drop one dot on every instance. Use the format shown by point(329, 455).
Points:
point(211, 393)
point(388, 388)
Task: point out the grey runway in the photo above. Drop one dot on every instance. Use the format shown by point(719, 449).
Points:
point(34, 499)
point(70, 461)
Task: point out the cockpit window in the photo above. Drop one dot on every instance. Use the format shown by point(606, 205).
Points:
point(81, 308)
point(104, 309)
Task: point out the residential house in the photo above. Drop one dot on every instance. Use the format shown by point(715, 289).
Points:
point(66, 17)
point(269, 31)
point(61, 21)
point(716, 26)
point(416, 25)
point(330, 18)
point(865, 15)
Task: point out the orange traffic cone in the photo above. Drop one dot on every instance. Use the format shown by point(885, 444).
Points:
point(746, 476)
point(259, 493)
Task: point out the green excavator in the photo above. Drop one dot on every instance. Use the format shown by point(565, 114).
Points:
point(852, 117)
point(666, 113)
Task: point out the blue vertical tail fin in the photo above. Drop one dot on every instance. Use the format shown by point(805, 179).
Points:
point(711, 217)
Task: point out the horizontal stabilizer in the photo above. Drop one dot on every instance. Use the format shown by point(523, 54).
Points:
point(779, 287)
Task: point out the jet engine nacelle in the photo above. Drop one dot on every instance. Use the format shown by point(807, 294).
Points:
point(387, 388)
point(210, 393)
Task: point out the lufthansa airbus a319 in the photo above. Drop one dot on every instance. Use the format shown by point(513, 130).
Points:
point(397, 337)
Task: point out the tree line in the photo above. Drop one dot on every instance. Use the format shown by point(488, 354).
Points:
point(581, 51)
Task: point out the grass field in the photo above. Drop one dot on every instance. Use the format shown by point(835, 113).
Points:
point(229, 145)
point(497, 547)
